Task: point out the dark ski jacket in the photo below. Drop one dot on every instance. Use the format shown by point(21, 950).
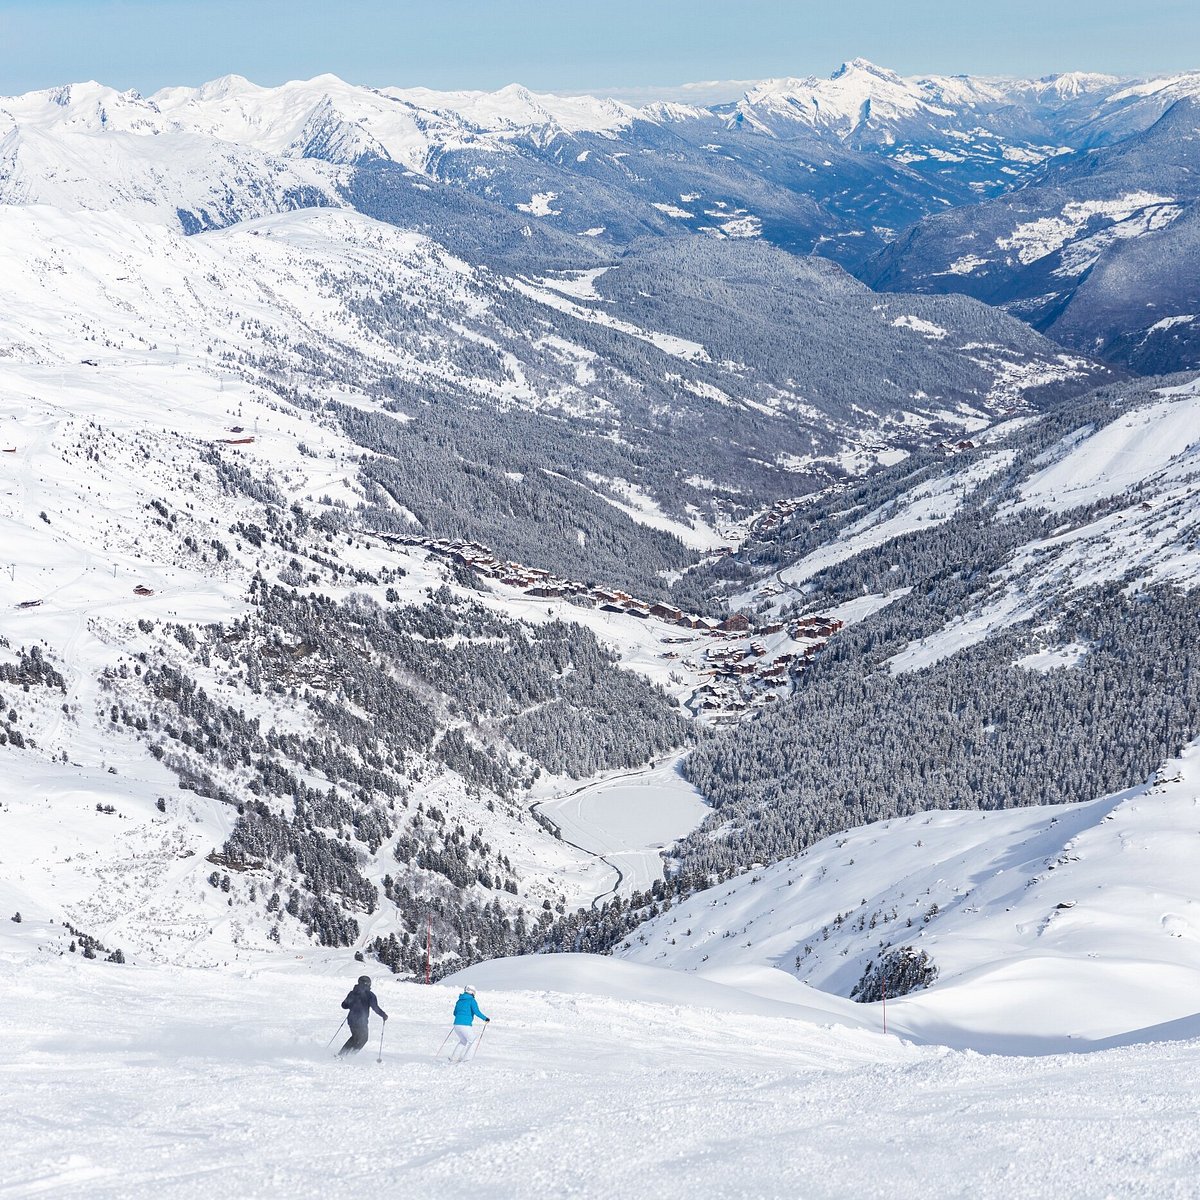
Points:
point(360, 1002)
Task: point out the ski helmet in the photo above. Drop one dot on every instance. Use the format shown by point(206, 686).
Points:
point(469, 990)
point(365, 980)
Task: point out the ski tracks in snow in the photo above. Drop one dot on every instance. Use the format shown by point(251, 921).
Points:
point(162, 1082)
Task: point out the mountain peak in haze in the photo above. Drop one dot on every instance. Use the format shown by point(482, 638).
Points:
point(864, 66)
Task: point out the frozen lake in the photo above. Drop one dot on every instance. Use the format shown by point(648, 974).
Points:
point(629, 820)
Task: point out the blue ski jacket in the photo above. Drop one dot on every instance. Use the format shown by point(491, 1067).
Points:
point(466, 1010)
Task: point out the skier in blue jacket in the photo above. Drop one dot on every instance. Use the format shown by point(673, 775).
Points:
point(465, 1011)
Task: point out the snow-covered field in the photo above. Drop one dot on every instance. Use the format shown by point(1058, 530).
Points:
point(629, 820)
point(595, 1079)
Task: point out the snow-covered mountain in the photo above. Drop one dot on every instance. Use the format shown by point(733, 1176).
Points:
point(309, 729)
point(347, 308)
point(839, 165)
point(310, 361)
point(1098, 251)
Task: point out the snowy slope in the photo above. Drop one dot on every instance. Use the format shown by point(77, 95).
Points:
point(1022, 608)
point(1140, 467)
point(80, 533)
point(1045, 924)
point(1135, 462)
point(137, 1082)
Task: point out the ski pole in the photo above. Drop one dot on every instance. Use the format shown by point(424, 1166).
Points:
point(475, 1047)
point(381, 1029)
point(443, 1045)
point(335, 1033)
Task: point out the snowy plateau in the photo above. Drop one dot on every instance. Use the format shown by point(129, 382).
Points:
point(721, 581)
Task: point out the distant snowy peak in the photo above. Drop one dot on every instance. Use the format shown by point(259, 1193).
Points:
point(1132, 107)
point(1069, 85)
point(863, 102)
point(1169, 88)
point(864, 66)
point(405, 122)
point(323, 117)
point(88, 107)
point(86, 147)
point(515, 108)
point(405, 125)
point(858, 94)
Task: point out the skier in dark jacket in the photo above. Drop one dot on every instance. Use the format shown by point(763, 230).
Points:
point(360, 1002)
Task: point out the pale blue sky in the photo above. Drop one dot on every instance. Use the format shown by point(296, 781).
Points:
point(576, 45)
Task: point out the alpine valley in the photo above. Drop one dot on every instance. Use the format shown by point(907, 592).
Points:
point(648, 561)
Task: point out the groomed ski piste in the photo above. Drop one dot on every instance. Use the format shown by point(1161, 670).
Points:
point(1056, 1055)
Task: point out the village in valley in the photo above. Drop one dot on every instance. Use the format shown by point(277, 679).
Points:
point(739, 664)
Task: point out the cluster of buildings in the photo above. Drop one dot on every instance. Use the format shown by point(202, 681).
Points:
point(778, 513)
point(743, 674)
point(738, 670)
point(534, 581)
point(815, 627)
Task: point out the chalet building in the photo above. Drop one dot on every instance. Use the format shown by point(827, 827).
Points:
point(736, 668)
